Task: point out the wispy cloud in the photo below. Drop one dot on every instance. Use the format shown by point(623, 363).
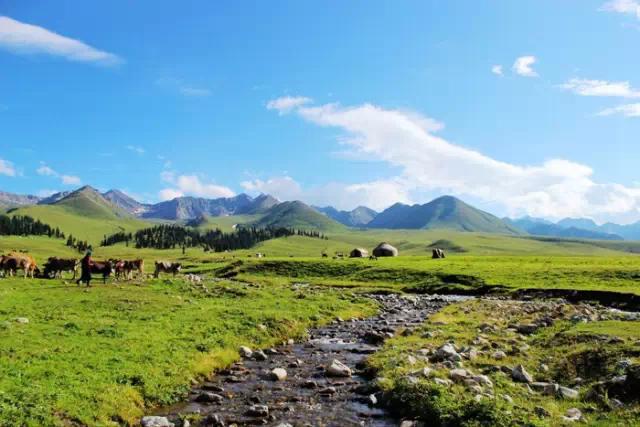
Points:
point(287, 103)
point(182, 88)
point(191, 185)
point(626, 110)
point(497, 70)
point(21, 38)
point(45, 170)
point(428, 163)
point(136, 149)
point(7, 168)
point(588, 87)
point(629, 7)
point(523, 66)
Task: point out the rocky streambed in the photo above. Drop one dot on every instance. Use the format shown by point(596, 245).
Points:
point(319, 382)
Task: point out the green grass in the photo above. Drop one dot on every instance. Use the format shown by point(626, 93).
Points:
point(104, 356)
point(565, 348)
point(226, 223)
point(84, 227)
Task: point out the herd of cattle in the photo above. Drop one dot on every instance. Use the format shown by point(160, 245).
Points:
point(54, 267)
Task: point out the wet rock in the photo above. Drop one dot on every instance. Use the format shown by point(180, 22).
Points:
point(278, 374)
point(212, 387)
point(209, 397)
point(328, 390)
point(213, 420)
point(309, 384)
point(259, 355)
point(519, 374)
point(261, 411)
point(156, 422)
point(338, 369)
point(245, 352)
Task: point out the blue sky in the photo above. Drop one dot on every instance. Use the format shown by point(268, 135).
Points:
point(520, 107)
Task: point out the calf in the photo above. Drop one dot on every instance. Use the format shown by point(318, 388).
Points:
point(102, 267)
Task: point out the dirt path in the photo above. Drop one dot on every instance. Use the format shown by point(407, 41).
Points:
point(247, 393)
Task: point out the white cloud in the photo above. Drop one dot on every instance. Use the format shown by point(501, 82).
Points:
point(428, 163)
point(136, 149)
point(589, 87)
point(627, 110)
point(46, 192)
point(287, 103)
point(45, 170)
point(282, 187)
point(497, 70)
point(629, 7)
point(191, 185)
point(22, 38)
point(7, 168)
point(70, 180)
point(523, 66)
point(179, 86)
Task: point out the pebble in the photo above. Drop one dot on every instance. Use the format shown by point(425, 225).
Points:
point(278, 374)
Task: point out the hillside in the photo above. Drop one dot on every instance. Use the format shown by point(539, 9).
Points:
point(10, 200)
point(85, 214)
point(445, 212)
point(124, 202)
point(297, 215)
point(358, 217)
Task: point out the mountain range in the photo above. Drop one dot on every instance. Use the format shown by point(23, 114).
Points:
point(446, 212)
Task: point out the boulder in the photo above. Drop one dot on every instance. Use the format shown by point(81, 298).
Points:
point(261, 411)
point(338, 369)
point(519, 374)
point(567, 393)
point(209, 397)
point(447, 352)
point(458, 375)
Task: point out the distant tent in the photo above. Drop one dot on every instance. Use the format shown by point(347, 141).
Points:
point(359, 253)
point(385, 249)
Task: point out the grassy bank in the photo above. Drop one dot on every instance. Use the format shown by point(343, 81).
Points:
point(569, 353)
point(101, 356)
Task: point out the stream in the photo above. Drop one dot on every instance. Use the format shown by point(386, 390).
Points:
point(247, 393)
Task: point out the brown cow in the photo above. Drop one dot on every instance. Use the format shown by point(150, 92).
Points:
point(57, 266)
point(18, 260)
point(102, 267)
point(166, 267)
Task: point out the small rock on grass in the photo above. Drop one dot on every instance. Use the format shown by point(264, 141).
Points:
point(519, 374)
point(573, 415)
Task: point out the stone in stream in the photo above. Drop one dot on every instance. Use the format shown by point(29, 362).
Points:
point(328, 390)
point(213, 420)
point(212, 387)
point(156, 422)
point(309, 384)
point(261, 411)
point(278, 374)
point(245, 352)
point(209, 397)
point(519, 374)
point(259, 355)
point(338, 369)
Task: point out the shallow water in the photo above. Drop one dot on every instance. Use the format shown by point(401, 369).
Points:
point(305, 398)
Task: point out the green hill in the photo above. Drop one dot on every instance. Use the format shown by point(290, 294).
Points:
point(445, 212)
point(297, 215)
point(85, 214)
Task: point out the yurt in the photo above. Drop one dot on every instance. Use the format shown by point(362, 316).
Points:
point(359, 253)
point(385, 249)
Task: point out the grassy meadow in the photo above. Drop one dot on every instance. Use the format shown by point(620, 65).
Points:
point(106, 355)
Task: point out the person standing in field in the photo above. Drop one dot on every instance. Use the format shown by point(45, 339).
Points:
point(85, 265)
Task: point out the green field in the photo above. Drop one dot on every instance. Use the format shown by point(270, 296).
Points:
point(107, 355)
